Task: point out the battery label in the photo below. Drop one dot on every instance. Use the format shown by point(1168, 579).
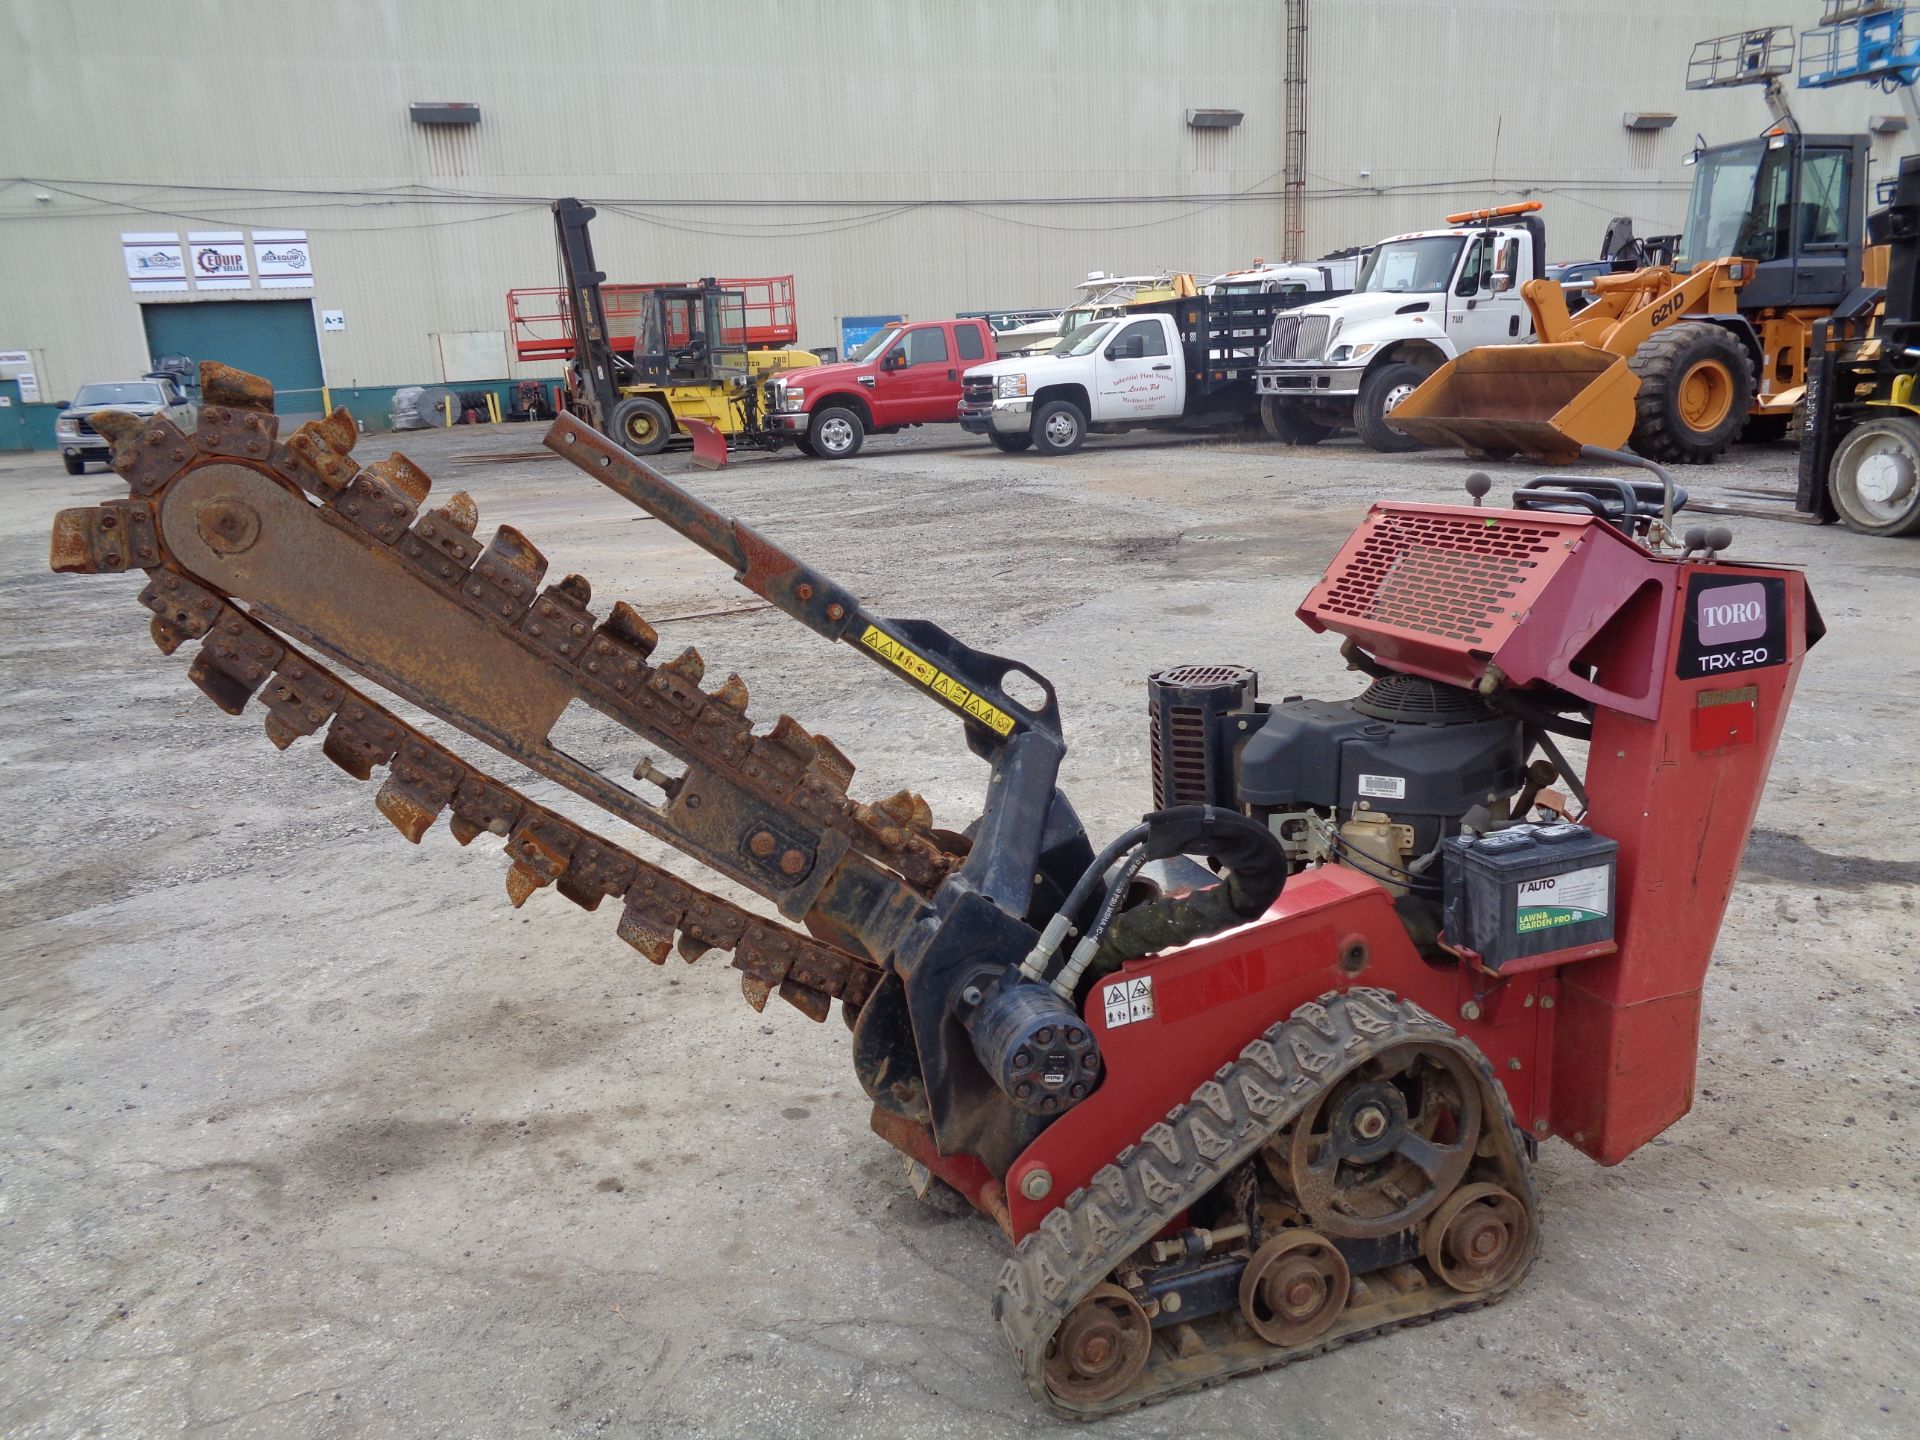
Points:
point(1555, 900)
point(1384, 787)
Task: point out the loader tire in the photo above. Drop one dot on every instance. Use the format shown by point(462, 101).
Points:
point(1874, 479)
point(1380, 392)
point(1696, 388)
point(1288, 425)
point(642, 425)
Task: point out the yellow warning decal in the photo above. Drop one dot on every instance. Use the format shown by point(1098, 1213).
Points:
point(936, 680)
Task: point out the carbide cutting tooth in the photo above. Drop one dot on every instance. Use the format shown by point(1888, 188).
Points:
point(464, 831)
point(407, 815)
point(832, 762)
point(339, 430)
point(514, 549)
point(691, 949)
point(459, 511)
point(733, 695)
point(165, 638)
point(522, 882)
point(405, 476)
point(235, 389)
point(629, 625)
point(119, 427)
point(646, 931)
point(810, 1003)
point(688, 665)
point(578, 589)
point(905, 808)
point(278, 731)
point(756, 991)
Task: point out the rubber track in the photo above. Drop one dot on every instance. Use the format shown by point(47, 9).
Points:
point(1194, 1149)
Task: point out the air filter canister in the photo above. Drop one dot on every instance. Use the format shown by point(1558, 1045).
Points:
point(1189, 709)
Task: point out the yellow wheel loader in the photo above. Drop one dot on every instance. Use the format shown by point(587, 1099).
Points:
point(1680, 359)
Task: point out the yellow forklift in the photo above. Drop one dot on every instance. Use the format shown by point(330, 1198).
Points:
point(695, 368)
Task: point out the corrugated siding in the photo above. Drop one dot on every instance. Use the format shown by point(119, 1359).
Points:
point(927, 111)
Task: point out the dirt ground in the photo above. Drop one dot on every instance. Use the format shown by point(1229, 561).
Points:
point(306, 1132)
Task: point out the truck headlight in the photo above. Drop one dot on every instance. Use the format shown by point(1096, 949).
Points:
point(786, 397)
point(1009, 387)
point(1344, 354)
point(66, 426)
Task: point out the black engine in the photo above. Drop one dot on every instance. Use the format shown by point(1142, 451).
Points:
point(1375, 782)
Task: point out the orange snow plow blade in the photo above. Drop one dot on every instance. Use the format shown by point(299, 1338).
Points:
point(1541, 401)
point(709, 445)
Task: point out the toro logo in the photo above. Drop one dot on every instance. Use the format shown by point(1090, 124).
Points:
point(1731, 613)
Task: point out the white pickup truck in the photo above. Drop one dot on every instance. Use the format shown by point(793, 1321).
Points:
point(1184, 362)
point(1420, 300)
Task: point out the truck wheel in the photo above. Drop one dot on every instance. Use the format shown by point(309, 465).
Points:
point(642, 425)
point(1696, 387)
point(836, 433)
point(1380, 392)
point(75, 465)
point(1011, 444)
point(1288, 425)
point(1059, 428)
point(1874, 482)
point(805, 447)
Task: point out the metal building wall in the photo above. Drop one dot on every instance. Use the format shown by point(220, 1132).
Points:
point(897, 157)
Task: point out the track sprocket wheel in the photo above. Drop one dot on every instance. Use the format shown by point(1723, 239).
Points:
point(1381, 1148)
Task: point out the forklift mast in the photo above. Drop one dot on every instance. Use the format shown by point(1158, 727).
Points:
point(593, 354)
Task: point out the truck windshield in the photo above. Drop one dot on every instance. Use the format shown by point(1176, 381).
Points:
point(1738, 206)
point(1086, 339)
point(872, 346)
point(1403, 267)
point(131, 393)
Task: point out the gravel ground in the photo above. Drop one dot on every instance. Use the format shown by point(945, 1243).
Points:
point(307, 1133)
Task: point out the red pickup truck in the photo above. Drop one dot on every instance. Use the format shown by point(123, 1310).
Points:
point(908, 374)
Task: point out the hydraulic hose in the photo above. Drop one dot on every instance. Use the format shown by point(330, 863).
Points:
point(1249, 853)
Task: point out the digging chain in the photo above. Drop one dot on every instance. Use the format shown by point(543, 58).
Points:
point(241, 658)
point(1197, 1147)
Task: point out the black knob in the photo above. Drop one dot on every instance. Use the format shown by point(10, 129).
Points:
point(1478, 484)
point(1695, 539)
point(1719, 538)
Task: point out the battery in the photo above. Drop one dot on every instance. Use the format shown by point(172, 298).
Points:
point(1529, 890)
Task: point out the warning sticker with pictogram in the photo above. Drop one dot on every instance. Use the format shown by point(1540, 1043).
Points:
point(1126, 1001)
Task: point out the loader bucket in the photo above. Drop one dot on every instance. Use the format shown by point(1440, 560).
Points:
point(709, 445)
point(1541, 401)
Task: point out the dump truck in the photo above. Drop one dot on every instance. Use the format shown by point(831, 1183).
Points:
point(1420, 300)
point(1263, 1073)
point(1678, 360)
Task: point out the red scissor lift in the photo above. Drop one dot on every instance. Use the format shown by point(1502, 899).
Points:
point(543, 329)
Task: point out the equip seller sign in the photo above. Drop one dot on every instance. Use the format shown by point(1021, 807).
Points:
point(218, 260)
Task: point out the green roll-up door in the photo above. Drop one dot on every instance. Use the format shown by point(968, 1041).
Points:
point(270, 338)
